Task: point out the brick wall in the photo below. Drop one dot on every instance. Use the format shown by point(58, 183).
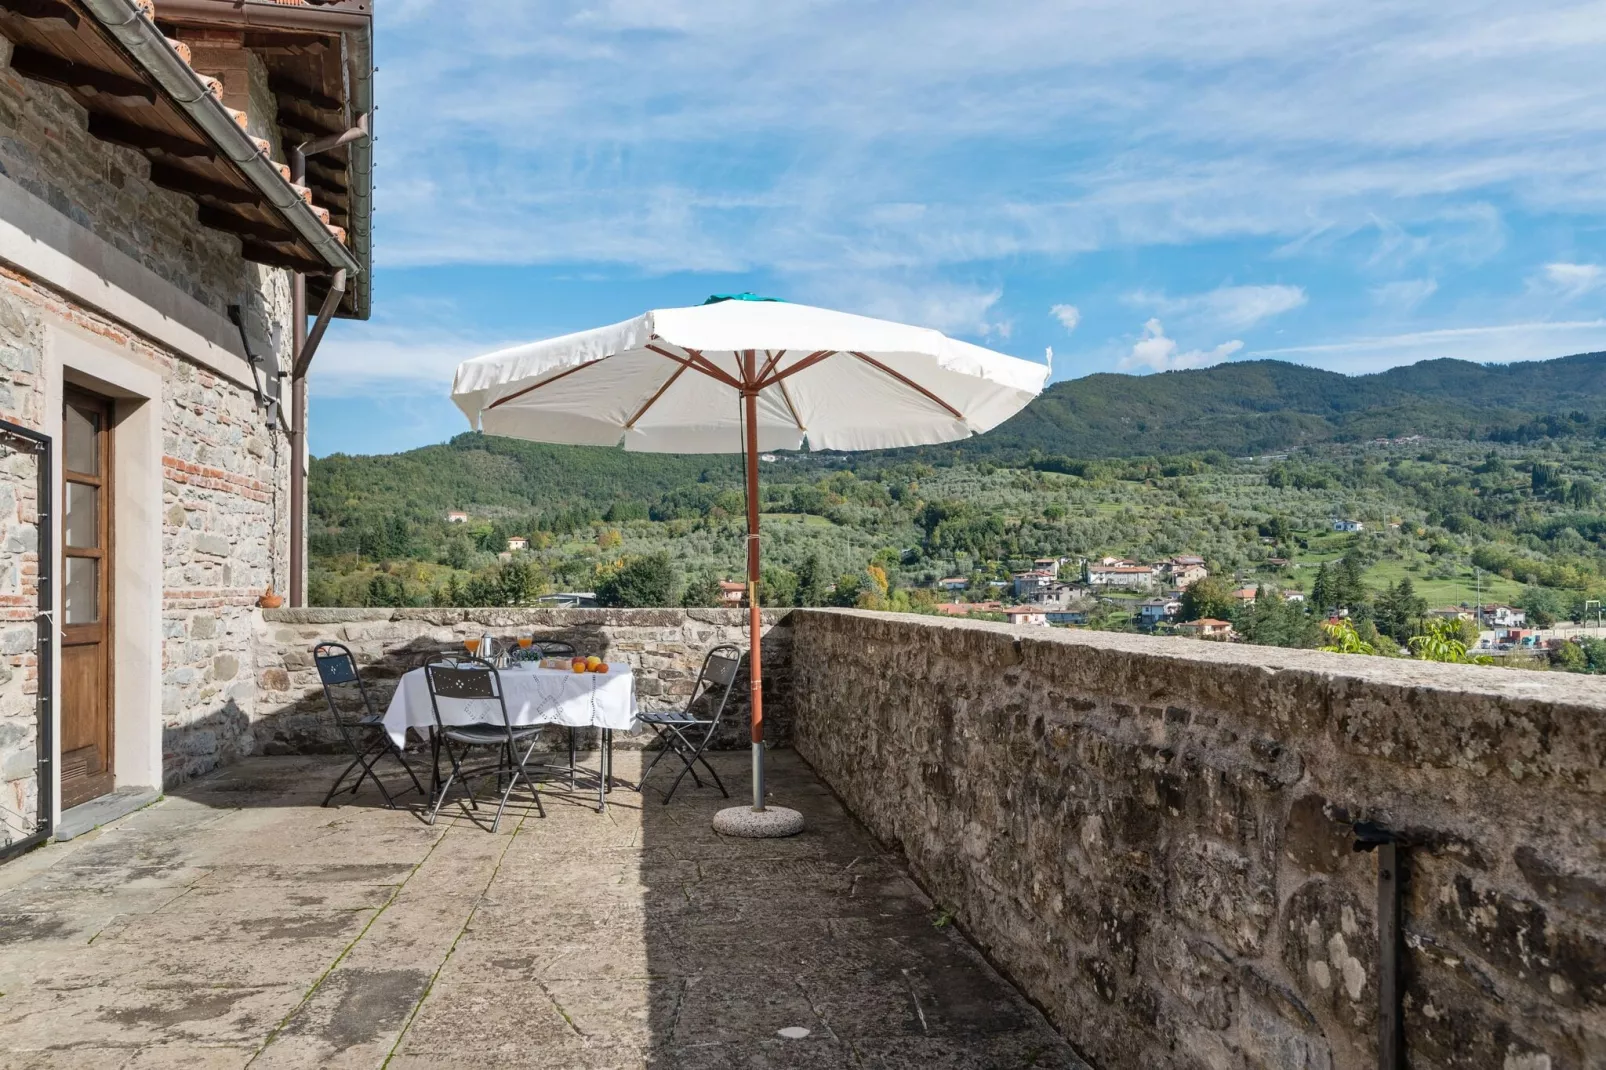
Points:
point(665, 647)
point(1152, 836)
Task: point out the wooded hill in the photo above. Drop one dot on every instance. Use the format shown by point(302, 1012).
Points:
point(1247, 407)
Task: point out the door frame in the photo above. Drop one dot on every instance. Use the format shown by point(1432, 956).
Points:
point(106, 553)
point(79, 358)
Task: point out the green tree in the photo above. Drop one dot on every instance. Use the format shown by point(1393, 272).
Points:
point(1209, 597)
point(1342, 638)
point(777, 587)
point(1542, 605)
point(703, 592)
point(812, 582)
point(648, 580)
point(1569, 657)
point(1442, 640)
point(1398, 610)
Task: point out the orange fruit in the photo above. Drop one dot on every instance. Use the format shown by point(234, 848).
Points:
point(578, 665)
point(601, 668)
point(592, 662)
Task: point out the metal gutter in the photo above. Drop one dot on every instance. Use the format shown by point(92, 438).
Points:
point(353, 19)
point(150, 50)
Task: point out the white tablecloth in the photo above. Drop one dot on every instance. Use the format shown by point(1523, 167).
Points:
point(534, 696)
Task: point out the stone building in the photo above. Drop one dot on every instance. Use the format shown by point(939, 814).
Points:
point(181, 183)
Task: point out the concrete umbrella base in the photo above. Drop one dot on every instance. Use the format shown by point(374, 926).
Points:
point(769, 823)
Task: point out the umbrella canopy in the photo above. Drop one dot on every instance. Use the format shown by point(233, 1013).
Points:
point(668, 382)
point(741, 375)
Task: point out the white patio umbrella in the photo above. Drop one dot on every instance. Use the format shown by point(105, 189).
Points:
point(741, 374)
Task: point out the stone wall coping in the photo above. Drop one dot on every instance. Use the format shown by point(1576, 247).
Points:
point(1568, 689)
point(494, 617)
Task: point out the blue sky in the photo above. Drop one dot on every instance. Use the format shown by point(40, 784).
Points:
point(1140, 185)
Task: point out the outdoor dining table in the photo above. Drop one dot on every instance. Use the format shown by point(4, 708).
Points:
point(534, 696)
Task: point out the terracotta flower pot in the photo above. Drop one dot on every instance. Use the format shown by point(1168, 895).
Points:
point(269, 600)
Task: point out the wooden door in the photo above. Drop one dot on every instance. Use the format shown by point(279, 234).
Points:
point(86, 586)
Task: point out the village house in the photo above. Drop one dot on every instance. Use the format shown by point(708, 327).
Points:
point(1066, 615)
point(1348, 525)
point(1246, 596)
point(1031, 585)
point(1184, 571)
point(518, 542)
point(953, 583)
point(965, 609)
point(732, 592)
point(1152, 611)
point(1500, 616)
point(457, 516)
point(1050, 565)
point(1206, 628)
point(1130, 576)
point(1293, 596)
point(181, 186)
point(1026, 615)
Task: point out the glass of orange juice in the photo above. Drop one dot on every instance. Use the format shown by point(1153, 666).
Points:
point(472, 646)
point(525, 641)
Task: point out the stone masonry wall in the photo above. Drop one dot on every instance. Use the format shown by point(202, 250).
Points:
point(19, 662)
point(1152, 836)
point(225, 473)
point(665, 647)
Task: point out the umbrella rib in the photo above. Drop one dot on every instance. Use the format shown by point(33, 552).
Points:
point(543, 382)
point(911, 384)
point(770, 364)
point(678, 372)
point(786, 396)
point(698, 362)
point(807, 362)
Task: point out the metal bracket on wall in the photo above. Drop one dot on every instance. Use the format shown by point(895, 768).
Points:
point(266, 378)
point(1370, 836)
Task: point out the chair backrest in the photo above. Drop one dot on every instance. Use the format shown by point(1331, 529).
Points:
point(471, 679)
point(336, 666)
point(715, 680)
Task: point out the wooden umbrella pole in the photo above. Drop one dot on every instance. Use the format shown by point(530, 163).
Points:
point(755, 672)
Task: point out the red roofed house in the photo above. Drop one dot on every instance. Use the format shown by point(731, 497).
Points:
point(1206, 628)
point(732, 593)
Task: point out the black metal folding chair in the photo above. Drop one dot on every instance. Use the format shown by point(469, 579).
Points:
point(687, 733)
point(364, 734)
point(476, 680)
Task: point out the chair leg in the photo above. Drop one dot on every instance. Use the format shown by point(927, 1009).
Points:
point(571, 758)
point(339, 779)
point(655, 758)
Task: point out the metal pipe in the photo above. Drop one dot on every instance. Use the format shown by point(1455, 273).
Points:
point(298, 444)
point(755, 663)
point(45, 622)
point(331, 301)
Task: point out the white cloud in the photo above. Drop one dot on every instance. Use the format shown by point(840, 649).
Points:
point(1570, 280)
point(1404, 295)
point(1191, 122)
point(1154, 350)
point(1229, 307)
point(953, 308)
point(1068, 315)
point(1491, 343)
point(383, 360)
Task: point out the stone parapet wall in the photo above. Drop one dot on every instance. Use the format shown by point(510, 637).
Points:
point(665, 648)
point(1153, 837)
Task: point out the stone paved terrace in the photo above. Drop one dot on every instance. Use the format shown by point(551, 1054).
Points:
point(235, 923)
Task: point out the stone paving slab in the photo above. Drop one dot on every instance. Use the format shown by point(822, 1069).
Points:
point(238, 924)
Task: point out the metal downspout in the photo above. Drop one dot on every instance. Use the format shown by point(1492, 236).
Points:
point(306, 347)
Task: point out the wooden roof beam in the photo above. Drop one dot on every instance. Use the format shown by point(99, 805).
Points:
point(304, 124)
point(79, 77)
point(220, 219)
point(42, 11)
point(283, 86)
point(273, 256)
point(152, 142)
point(188, 182)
